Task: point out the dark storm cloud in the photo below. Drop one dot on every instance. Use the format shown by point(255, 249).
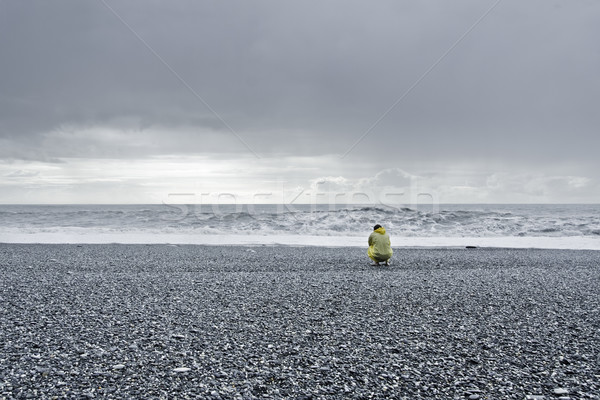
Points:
point(304, 77)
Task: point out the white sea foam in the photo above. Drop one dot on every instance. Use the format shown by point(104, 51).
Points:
point(522, 226)
point(542, 242)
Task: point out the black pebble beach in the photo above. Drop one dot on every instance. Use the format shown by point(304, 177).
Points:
point(272, 322)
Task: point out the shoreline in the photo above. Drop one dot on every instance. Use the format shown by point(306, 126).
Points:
point(301, 246)
point(532, 242)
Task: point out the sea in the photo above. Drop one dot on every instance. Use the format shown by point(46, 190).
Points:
point(558, 226)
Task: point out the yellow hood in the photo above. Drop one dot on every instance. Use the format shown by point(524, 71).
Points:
point(380, 230)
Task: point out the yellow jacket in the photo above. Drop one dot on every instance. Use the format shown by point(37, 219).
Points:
point(380, 246)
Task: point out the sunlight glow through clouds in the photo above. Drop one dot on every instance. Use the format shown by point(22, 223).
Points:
point(248, 180)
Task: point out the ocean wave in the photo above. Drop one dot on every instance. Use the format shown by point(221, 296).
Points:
point(320, 220)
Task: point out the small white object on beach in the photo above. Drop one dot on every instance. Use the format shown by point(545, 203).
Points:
point(118, 366)
point(561, 391)
point(182, 369)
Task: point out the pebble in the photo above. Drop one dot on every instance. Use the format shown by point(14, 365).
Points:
point(285, 322)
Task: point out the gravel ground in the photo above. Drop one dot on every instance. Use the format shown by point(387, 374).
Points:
point(177, 322)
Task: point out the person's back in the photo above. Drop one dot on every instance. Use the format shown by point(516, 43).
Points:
point(380, 246)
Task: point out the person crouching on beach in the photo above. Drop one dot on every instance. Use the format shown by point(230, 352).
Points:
point(380, 246)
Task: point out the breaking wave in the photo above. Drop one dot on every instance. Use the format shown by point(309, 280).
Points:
point(320, 220)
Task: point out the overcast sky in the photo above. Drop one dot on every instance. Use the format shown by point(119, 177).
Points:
point(143, 102)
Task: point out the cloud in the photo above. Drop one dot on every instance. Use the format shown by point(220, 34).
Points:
point(397, 187)
point(542, 187)
point(285, 88)
point(22, 174)
point(298, 84)
point(330, 184)
point(281, 180)
point(390, 177)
